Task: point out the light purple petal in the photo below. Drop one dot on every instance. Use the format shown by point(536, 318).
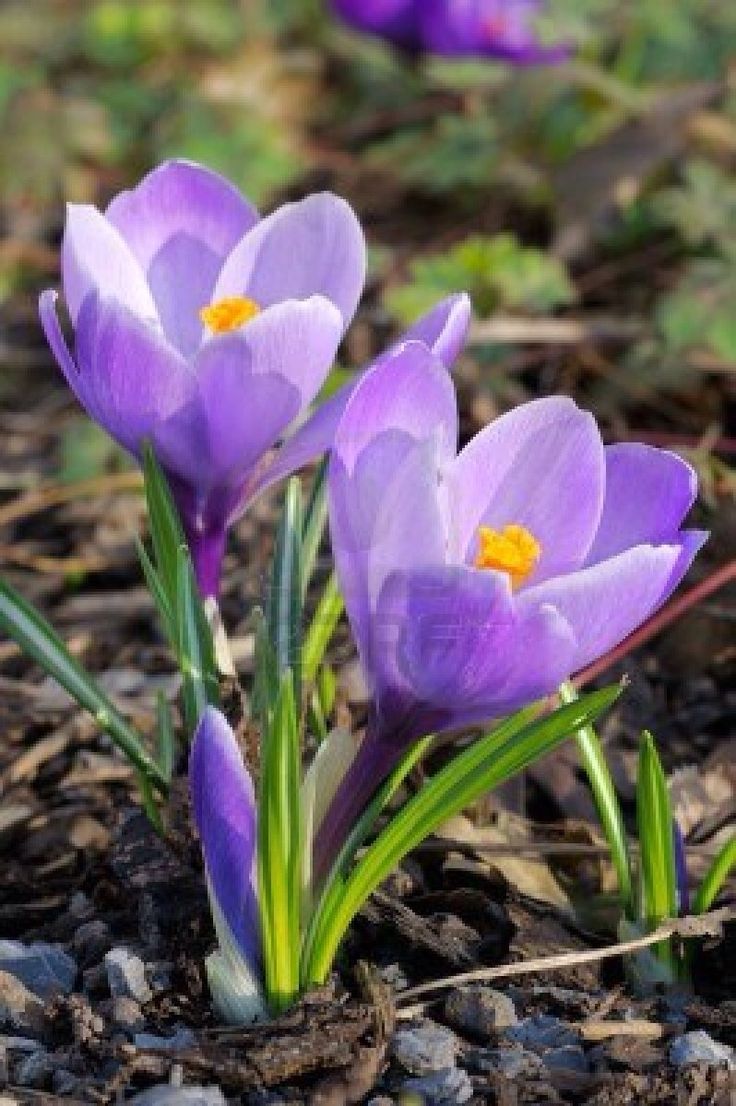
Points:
point(314, 247)
point(606, 602)
point(224, 811)
point(408, 391)
point(443, 330)
point(54, 336)
point(96, 259)
point(181, 222)
point(648, 493)
point(252, 383)
point(540, 466)
point(133, 380)
point(385, 496)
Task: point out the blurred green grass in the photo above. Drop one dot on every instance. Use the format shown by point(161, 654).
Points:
point(278, 96)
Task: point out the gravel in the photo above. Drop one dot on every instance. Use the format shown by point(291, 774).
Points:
point(42, 968)
point(426, 1048)
point(699, 1047)
point(126, 975)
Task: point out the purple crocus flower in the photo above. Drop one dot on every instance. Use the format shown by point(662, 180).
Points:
point(204, 329)
point(476, 583)
point(501, 29)
point(224, 812)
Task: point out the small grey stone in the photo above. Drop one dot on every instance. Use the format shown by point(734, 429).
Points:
point(699, 1047)
point(18, 1044)
point(480, 1011)
point(393, 975)
point(426, 1048)
point(40, 967)
point(513, 1063)
point(126, 1013)
point(66, 1082)
point(182, 1038)
point(541, 1032)
point(91, 941)
point(20, 1009)
point(126, 975)
point(568, 1058)
point(35, 1070)
point(381, 1100)
point(166, 1095)
point(447, 1087)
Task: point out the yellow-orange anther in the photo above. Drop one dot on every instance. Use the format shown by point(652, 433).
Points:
point(514, 550)
point(229, 314)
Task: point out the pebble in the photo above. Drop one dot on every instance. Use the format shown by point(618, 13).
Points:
point(542, 1031)
point(20, 1010)
point(91, 941)
point(127, 1014)
point(40, 967)
point(513, 1063)
point(126, 975)
point(567, 1058)
point(426, 1048)
point(480, 1011)
point(182, 1038)
point(65, 1082)
point(35, 1070)
point(166, 1095)
point(446, 1087)
point(699, 1047)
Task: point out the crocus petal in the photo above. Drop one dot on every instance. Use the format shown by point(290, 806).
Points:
point(314, 247)
point(407, 392)
point(133, 380)
point(251, 384)
point(395, 20)
point(467, 652)
point(541, 466)
point(224, 810)
point(384, 491)
point(486, 28)
point(648, 493)
point(443, 330)
point(96, 258)
point(56, 340)
point(181, 222)
point(605, 602)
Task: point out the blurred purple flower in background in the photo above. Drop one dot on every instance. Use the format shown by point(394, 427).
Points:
point(501, 29)
point(476, 583)
point(206, 330)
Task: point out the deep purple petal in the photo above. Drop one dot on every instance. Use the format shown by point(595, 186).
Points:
point(465, 649)
point(443, 330)
point(251, 384)
point(314, 247)
point(648, 493)
point(395, 20)
point(540, 466)
point(96, 259)
point(501, 29)
point(181, 222)
point(224, 811)
point(606, 602)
